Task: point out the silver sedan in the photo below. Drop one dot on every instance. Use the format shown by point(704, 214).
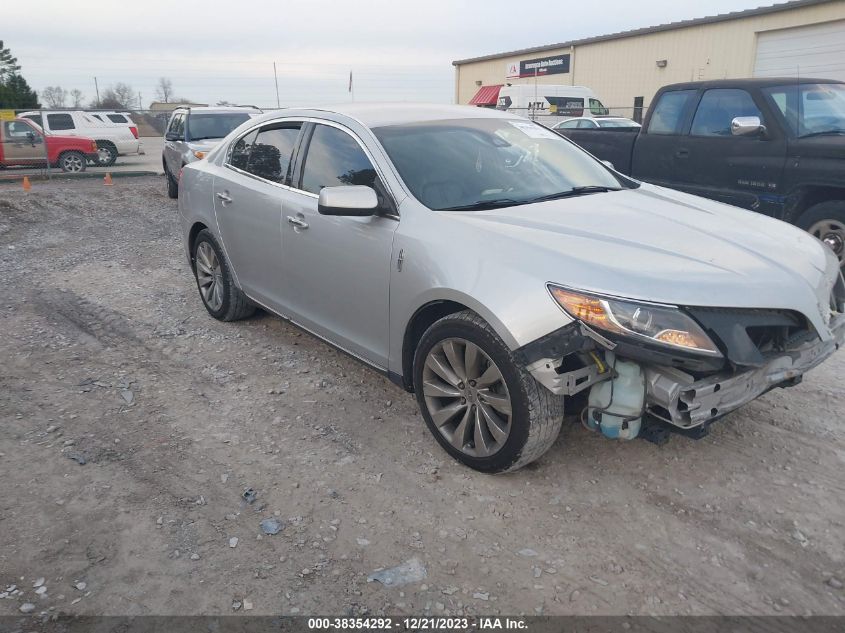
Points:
point(505, 276)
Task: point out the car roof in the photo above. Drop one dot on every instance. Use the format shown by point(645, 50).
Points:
point(383, 114)
point(756, 82)
point(220, 109)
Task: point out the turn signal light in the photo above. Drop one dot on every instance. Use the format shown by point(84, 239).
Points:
point(584, 308)
point(199, 154)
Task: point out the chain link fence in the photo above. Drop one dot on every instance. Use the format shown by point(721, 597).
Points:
point(49, 142)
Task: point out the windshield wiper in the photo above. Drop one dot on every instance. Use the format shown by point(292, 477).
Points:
point(822, 133)
point(576, 191)
point(203, 138)
point(480, 205)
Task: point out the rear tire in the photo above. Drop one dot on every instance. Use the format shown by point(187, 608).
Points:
point(218, 291)
point(510, 440)
point(826, 221)
point(72, 162)
point(107, 153)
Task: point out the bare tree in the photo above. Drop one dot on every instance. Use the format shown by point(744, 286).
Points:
point(54, 96)
point(224, 103)
point(164, 89)
point(77, 97)
point(120, 96)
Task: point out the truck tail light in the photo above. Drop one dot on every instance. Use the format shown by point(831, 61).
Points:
point(179, 177)
point(134, 130)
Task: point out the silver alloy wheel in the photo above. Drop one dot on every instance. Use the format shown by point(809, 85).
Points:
point(209, 276)
point(832, 233)
point(466, 397)
point(104, 155)
point(72, 163)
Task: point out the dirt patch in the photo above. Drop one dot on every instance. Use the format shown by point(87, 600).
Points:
point(108, 357)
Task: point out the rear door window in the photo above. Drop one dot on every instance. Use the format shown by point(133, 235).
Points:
point(58, 122)
point(271, 152)
point(718, 108)
point(117, 118)
point(668, 115)
point(36, 118)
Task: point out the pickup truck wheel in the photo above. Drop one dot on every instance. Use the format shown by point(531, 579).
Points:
point(106, 154)
point(72, 162)
point(826, 221)
point(218, 291)
point(478, 401)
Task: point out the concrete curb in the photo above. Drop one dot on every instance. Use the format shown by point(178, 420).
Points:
point(4, 178)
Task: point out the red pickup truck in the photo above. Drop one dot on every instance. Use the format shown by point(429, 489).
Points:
point(22, 143)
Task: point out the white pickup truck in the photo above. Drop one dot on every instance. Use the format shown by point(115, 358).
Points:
point(113, 140)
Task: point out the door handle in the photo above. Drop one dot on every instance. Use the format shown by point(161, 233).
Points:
point(300, 224)
point(682, 153)
point(224, 197)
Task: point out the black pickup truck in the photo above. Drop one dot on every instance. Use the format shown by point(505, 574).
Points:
point(776, 146)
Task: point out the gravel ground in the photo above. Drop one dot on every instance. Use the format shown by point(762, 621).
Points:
point(109, 358)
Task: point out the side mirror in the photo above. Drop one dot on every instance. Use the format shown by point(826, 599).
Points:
point(30, 136)
point(747, 125)
point(171, 136)
point(354, 200)
point(608, 164)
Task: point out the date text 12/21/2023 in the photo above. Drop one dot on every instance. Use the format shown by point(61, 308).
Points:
point(417, 624)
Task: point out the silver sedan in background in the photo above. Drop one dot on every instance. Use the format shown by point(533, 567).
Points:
point(504, 275)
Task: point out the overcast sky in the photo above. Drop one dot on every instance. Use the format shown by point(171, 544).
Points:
point(213, 50)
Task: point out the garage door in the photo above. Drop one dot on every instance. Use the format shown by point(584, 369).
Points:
point(809, 51)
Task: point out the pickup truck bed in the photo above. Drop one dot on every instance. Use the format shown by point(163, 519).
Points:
point(774, 145)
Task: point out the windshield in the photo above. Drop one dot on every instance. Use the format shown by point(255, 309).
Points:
point(617, 123)
point(811, 109)
point(467, 162)
point(212, 125)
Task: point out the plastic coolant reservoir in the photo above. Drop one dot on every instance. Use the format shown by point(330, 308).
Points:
point(615, 406)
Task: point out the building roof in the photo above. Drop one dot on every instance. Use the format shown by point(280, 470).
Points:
point(712, 19)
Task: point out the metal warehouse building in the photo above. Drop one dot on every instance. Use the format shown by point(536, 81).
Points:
point(802, 37)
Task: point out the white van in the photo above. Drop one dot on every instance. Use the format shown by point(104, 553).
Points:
point(543, 101)
point(112, 139)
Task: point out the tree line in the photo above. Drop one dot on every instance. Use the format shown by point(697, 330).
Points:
point(15, 92)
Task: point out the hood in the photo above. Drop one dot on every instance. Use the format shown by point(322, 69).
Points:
point(204, 145)
point(832, 146)
point(665, 246)
point(80, 141)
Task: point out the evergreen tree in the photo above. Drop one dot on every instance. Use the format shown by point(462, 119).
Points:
point(8, 64)
point(15, 93)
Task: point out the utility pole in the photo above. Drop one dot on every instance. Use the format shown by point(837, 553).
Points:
point(140, 103)
point(97, 90)
point(276, 77)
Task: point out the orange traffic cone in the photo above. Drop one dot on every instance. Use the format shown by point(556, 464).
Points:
point(26, 184)
point(107, 180)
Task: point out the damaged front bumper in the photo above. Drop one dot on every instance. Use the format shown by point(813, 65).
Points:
point(674, 395)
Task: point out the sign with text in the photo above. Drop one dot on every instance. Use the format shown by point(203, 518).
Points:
point(556, 65)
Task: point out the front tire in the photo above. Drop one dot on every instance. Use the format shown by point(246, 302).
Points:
point(172, 184)
point(826, 221)
point(478, 401)
point(72, 162)
point(218, 291)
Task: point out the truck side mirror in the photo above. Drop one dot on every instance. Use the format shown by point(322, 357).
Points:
point(747, 126)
